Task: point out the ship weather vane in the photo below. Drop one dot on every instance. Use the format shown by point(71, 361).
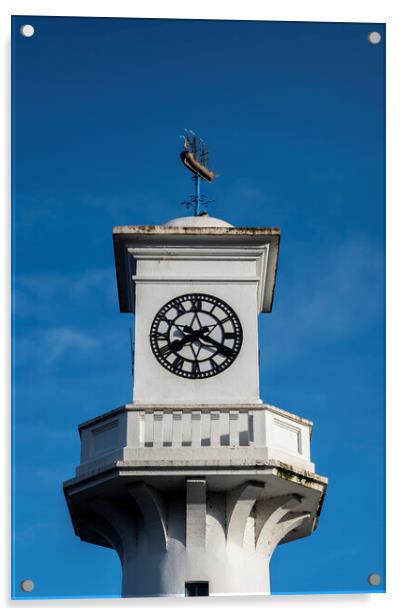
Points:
point(195, 157)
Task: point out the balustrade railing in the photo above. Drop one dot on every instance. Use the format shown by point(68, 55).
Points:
point(195, 428)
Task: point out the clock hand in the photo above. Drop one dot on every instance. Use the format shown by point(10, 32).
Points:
point(221, 322)
point(187, 328)
point(177, 345)
point(224, 350)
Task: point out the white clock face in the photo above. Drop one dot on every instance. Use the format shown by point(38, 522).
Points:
point(196, 336)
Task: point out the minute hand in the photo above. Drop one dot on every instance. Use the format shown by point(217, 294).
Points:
point(193, 336)
point(177, 345)
point(224, 350)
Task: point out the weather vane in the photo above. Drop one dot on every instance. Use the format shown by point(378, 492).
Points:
point(195, 157)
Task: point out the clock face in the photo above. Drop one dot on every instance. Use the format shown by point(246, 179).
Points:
point(196, 336)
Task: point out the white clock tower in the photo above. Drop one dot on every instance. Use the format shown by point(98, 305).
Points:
point(196, 481)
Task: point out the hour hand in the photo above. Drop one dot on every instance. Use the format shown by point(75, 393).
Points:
point(221, 348)
point(176, 345)
point(196, 332)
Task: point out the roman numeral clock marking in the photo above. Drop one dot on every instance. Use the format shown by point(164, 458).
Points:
point(195, 368)
point(178, 363)
point(196, 336)
point(196, 304)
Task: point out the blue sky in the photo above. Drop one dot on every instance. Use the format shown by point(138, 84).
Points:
point(293, 114)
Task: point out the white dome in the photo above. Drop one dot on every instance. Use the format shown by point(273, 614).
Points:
point(197, 221)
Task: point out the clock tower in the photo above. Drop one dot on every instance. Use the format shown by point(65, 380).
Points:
point(196, 480)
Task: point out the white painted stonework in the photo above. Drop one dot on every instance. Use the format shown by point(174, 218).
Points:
point(157, 264)
point(202, 221)
point(195, 480)
point(196, 434)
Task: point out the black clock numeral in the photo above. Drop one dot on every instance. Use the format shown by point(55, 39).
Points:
point(196, 304)
point(160, 336)
point(195, 367)
point(214, 365)
point(164, 350)
point(225, 351)
point(178, 363)
point(180, 309)
point(229, 335)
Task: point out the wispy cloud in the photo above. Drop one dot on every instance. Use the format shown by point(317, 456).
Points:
point(342, 294)
point(47, 346)
point(246, 190)
point(325, 298)
point(65, 340)
point(42, 296)
point(103, 280)
point(115, 208)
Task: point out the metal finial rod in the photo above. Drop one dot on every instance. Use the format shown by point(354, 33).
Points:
point(197, 195)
